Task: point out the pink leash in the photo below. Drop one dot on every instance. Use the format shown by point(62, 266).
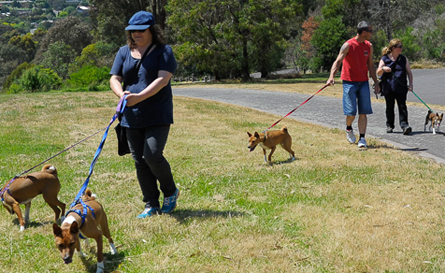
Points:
point(296, 108)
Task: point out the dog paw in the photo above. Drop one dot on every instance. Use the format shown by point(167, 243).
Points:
point(22, 228)
point(113, 250)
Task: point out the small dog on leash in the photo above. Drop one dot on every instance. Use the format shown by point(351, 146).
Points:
point(67, 235)
point(270, 140)
point(435, 120)
point(23, 189)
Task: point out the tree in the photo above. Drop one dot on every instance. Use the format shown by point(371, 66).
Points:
point(99, 55)
point(328, 39)
point(226, 37)
point(110, 20)
point(393, 15)
point(26, 43)
point(58, 57)
point(71, 31)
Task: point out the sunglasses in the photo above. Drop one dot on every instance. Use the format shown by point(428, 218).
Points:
point(399, 46)
point(369, 30)
point(138, 30)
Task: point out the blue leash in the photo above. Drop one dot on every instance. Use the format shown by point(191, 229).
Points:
point(119, 110)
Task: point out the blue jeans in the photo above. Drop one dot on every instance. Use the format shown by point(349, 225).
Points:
point(356, 94)
point(147, 146)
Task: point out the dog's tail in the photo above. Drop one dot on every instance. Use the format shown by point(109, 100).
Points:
point(49, 169)
point(90, 195)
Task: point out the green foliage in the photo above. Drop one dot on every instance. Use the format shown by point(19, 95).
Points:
point(411, 48)
point(26, 43)
point(16, 74)
point(378, 41)
point(434, 42)
point(71, 31)
point(230, 37)
point(58, 57)
point(98, 55)
point(89, 75)
point(39, 79)
point(328, 48)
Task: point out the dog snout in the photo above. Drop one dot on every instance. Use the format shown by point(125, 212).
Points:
point(67, 259)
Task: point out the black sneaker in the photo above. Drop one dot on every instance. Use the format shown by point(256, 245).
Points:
point(407, 130)
point(389, 130)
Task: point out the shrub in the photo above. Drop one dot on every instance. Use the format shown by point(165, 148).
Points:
point(39, 79)
point(89, 75)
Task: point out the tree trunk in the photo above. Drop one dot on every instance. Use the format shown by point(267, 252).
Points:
point(245, 62)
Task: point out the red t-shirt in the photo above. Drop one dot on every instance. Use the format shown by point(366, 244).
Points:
point(355, 64)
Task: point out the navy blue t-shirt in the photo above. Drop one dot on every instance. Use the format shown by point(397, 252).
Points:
point(396, 80)
point(157, 109)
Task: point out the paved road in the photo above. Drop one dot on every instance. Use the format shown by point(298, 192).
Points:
point(326, 111)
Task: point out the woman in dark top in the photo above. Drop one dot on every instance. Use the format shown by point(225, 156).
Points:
point(394, 69)
point(149, 111)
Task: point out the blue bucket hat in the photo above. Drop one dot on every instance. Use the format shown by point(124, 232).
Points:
point(141, 20)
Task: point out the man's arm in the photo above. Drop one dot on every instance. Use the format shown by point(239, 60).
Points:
point(371, 69)
point(337, 63)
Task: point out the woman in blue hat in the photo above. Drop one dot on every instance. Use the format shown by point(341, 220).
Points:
point(142, 70)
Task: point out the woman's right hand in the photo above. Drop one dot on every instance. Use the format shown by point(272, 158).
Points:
point(386, 69)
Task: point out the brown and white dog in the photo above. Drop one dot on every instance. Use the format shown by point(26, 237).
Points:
point(270, 140)
point(23, 189)
point(67, 235)
point(435, 120)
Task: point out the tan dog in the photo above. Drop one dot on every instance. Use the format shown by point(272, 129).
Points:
point(23, 189)
point(270, 140)
point(67, 235)
point(435, 120)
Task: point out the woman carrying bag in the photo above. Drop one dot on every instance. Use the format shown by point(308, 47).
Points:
point(394, 69)
point(142, 70)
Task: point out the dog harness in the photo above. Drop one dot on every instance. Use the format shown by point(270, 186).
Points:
point(83, 214)
point(6, 188)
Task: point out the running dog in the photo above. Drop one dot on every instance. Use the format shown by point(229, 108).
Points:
point(435, 120)
point(67, 235)
point(23, 189)
point(270, 140)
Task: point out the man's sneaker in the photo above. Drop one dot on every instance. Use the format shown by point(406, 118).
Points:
point(149, 211)
point(389, 129)
point(362, 143)
point(170, 202)
point(350, 136)
point(407, 130)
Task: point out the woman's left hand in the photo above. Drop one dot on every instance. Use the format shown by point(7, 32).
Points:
point(411, 88)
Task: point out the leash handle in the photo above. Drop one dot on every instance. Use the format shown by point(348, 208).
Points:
point(422, 101)
point(326, 85)
point(119, 110)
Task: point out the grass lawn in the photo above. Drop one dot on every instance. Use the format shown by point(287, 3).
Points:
point(334, 209)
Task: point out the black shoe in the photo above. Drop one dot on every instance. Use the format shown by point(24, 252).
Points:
point(407, 130)
point(389, 130)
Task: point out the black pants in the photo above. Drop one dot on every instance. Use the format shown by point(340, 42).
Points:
point(390, 99)
point(147, 146)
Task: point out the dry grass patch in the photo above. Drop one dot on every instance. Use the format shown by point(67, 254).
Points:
point(335, 209)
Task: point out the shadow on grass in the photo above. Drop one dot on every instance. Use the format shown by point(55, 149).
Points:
point(111, 262)
point(183, 215)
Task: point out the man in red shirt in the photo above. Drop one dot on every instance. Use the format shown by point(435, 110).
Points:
point(356, 57)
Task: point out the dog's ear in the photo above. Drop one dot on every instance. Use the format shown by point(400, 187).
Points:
point(57, 230)
point(441, 116)
point(249, 134)
point(257, 135)
point(74, 228)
